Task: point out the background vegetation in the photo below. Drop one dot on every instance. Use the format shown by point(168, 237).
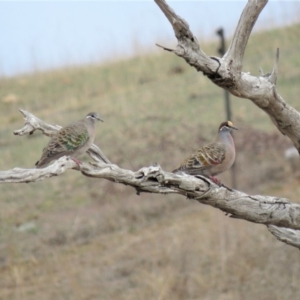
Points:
point(73, 237)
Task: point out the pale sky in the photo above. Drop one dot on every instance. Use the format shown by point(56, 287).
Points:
point(38, 35)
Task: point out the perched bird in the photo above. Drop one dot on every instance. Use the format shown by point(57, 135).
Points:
point(73, 140)
point(214, 158)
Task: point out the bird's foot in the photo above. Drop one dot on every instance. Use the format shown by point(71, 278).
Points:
point(215, 180)
point(78, 162)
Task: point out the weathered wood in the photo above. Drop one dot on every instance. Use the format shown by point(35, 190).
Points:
point(286, 235)
point(226, 72)
point(235, 53)
point(265, 210)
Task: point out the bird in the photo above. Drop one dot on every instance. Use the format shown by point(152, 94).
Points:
point(214, 158)
point(73, 140)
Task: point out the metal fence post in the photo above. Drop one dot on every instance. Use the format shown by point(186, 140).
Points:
point(221, 51)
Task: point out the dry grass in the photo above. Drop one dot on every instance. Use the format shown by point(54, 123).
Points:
point(73, 237)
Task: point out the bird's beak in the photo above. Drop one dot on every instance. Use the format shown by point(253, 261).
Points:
point(99, 119)
point(232, 127)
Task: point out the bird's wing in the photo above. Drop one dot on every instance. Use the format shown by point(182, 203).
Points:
point(66, 141)
point(70, 138)
point(204, 158)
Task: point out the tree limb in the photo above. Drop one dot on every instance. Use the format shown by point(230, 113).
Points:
point(280, 215)
point(286, 235)
point(226, 71)
point(188, 46)
point(236, 50)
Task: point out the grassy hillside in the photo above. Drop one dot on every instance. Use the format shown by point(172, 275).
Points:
point(73, 237)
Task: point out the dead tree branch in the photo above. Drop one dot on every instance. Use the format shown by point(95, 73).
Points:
point(286, 235)
point(280, 215)
point(226, 72)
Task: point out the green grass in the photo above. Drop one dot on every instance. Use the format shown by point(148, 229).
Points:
point(94, 239)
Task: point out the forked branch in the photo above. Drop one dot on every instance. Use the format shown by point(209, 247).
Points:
point(226, 72)
point(236, 50)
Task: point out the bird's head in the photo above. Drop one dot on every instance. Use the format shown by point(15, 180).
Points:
point(227, 126)
point(93, 116)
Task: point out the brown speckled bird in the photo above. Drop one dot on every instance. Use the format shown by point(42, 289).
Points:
point(214, 158)
point(73, 140)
